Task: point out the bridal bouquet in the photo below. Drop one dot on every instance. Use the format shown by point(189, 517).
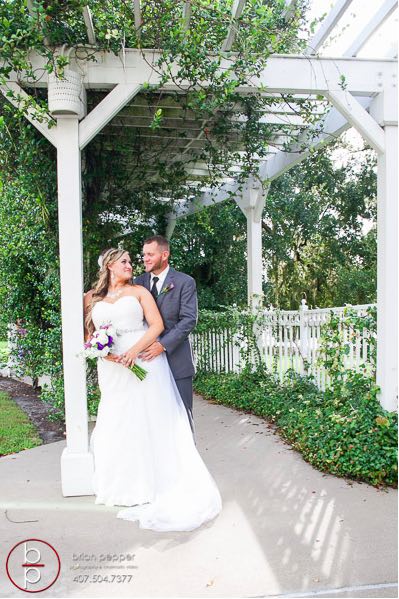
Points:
point(100, 343)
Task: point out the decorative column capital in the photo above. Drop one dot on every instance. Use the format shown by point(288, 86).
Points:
point(66, 96)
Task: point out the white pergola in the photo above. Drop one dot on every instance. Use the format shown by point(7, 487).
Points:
point(367, 101)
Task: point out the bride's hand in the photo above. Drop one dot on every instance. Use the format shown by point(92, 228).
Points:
point(128, 358)
point(111, 358)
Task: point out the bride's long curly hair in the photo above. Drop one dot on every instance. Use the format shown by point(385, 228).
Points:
point(102, 283)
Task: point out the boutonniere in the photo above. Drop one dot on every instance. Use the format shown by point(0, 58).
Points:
point(167, 288)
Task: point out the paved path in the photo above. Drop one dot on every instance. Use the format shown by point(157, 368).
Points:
point(286, 530)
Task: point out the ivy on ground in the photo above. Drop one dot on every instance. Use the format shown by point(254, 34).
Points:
point(343, 431)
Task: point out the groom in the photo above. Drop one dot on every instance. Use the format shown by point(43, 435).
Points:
point(176, 297)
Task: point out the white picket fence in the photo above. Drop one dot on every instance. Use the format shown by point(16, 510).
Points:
point(288, 339)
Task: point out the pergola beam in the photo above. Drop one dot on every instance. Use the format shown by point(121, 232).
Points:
point(209, 198)
point(294, 74)
point(334, 125)
point(274, 118)
point(357, 116)
point(31, 113)
point(283, 74)
point(105, 111)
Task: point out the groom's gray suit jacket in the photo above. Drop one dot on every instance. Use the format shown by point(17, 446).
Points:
point(179, 311)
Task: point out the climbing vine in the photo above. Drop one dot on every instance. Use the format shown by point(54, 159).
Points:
point(190, 54)
point(121, 198)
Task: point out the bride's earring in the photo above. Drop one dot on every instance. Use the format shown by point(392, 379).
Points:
point(112, 277)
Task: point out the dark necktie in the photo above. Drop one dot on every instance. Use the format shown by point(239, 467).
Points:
point(154, 289)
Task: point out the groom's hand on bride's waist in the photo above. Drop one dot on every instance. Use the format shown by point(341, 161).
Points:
point(152, 351)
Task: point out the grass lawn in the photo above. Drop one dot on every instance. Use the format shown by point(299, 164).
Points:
point(16, 430)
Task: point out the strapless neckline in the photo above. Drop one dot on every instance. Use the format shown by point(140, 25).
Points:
point(123, 315)
point(118, 300)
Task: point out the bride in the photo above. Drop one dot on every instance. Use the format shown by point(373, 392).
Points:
point(144, 453)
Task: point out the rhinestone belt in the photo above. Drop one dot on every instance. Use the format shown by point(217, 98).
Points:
point(121, 331)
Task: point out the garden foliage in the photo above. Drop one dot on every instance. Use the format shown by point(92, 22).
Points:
point(343, 431)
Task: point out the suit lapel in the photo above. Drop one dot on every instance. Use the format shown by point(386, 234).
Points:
point(167, 281)
point(147, 280)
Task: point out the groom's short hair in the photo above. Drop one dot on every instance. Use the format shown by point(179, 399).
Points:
point(162, 242)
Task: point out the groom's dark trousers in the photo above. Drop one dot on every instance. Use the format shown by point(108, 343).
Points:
point(178, 305)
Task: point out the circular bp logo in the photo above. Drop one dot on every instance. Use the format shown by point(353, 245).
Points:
point(33, 565)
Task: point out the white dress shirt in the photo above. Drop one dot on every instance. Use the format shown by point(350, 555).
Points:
point(161, 277)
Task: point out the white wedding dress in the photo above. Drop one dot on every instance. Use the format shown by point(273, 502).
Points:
point(144, 453)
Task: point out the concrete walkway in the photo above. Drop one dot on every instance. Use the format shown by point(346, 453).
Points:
point(285, 529)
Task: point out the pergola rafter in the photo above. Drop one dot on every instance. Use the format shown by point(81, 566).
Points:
point(187, 12)
point(382, 14)
point(327, 26)
point(91, 34)
point(362, 93)
point(289, 10)
point(236, 13)
point(137, 17)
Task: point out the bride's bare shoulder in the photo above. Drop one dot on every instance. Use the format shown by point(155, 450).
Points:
point(135, 290)
point(141, 292)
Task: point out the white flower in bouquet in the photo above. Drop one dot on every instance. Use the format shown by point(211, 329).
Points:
point(100, 343)
point(102, 337)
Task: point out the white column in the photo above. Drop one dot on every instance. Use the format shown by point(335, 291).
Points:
point(251, 202)
point(387, 269)
point(254, 257)
point(76, 462)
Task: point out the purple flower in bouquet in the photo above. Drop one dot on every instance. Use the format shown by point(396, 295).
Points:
point(100, 343)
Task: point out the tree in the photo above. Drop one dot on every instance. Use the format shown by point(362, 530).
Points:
point(313, 231)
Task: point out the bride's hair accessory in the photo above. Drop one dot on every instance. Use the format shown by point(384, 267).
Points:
point(105, 254)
